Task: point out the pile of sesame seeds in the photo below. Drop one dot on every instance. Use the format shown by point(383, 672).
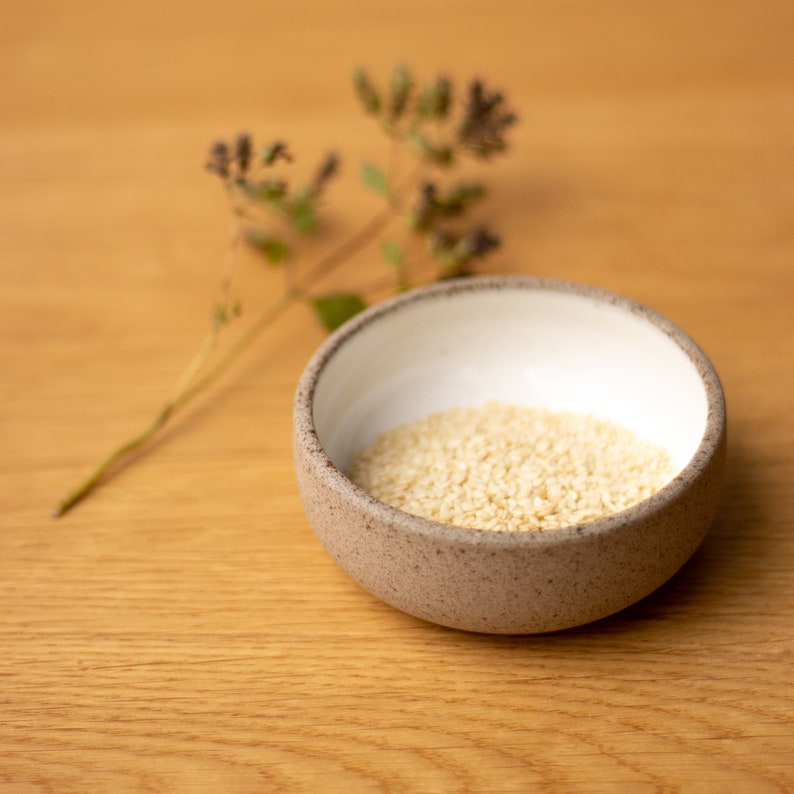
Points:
point(511, 468)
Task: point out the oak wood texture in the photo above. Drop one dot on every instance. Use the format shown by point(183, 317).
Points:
point(183, 630)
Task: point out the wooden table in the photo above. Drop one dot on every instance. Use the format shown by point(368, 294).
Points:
point(182, 629)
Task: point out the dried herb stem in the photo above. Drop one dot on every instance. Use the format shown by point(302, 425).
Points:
point(359, 240)
point(419, 119)
point(220, 312)
point(120, 454)
point(190, 385)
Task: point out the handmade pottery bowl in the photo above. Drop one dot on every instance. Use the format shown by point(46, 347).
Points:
point(530, 342)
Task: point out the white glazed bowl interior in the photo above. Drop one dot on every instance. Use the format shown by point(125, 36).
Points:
point(568, 350)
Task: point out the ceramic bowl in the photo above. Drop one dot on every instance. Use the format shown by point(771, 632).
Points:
point(525, 341)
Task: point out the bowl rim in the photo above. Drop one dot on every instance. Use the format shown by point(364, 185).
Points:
point(305, 433)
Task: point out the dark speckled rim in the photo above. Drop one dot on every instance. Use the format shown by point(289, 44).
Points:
point(711, 444)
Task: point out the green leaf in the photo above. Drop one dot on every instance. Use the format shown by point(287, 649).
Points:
point(392, 253)
point(440, 155)
point(334, 310)
point(268, 190)
point(223, 314)
point(302, 213)
point(219, 313)
point(275, 251)
point(374, 178)
point(304, 219)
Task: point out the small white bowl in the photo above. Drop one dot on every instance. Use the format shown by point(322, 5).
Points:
point(525, 341)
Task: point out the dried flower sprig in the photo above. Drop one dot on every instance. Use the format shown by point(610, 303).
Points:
point(273, 216)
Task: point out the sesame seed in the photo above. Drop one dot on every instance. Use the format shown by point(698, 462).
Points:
point(511, 468)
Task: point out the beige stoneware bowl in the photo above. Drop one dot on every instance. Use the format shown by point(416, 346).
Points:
point(525, 341)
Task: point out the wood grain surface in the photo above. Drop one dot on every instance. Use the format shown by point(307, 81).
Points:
point(182, 630)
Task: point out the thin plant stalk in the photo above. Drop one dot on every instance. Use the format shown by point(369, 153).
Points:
point(212, 338)
point(481, 133)
point(190, 385)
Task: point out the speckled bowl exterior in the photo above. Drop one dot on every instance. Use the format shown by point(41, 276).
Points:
point(502, 582)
